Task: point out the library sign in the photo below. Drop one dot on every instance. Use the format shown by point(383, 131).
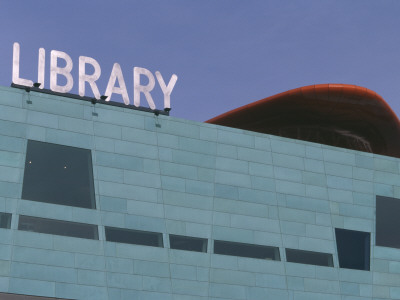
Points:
point(83, 78)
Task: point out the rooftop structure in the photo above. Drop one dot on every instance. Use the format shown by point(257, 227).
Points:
point(341, 115)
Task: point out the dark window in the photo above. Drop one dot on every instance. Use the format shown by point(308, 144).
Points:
point(57, 227)
point(309, 257)
point(5, 220)
point(5, 296)
point(58, 174)
point(353, 249)
point(387, 222)
point(188, 243)
point(246, 250)
point(137, 237)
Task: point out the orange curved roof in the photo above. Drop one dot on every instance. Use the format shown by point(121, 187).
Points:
point(341, 115)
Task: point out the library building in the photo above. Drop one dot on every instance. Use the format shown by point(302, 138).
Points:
point(293, 197)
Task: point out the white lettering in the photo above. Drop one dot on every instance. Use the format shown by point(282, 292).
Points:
point(91, 79)
point(113, 87)
point(41, 64)
point(55, 70)
point(15, 73)
point(145, 89)
point(116, 73)
point(167, 90)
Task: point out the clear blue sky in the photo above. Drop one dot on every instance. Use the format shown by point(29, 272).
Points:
point(226, 53)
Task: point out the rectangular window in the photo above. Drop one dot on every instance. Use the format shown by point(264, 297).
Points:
point(309, 257)
point(187, 243)
point(57, 227)
point(387, 222)
point(5, 220)
point(58, 174)
point(6, 296)
point(353, 249)
point(136, 237)
point(246, 250)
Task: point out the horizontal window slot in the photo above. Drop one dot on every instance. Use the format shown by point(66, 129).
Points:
point(187, 243)
point(5, 220)
point(136, 237)
point(309, 257)
point(58, 227)
point(246, 250)
point(6, 296)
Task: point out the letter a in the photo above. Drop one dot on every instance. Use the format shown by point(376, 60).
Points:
point(116, 73)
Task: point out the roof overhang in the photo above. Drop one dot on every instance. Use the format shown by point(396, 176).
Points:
point(341, 115)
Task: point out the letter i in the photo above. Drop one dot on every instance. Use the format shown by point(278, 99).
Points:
point(41, 65)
